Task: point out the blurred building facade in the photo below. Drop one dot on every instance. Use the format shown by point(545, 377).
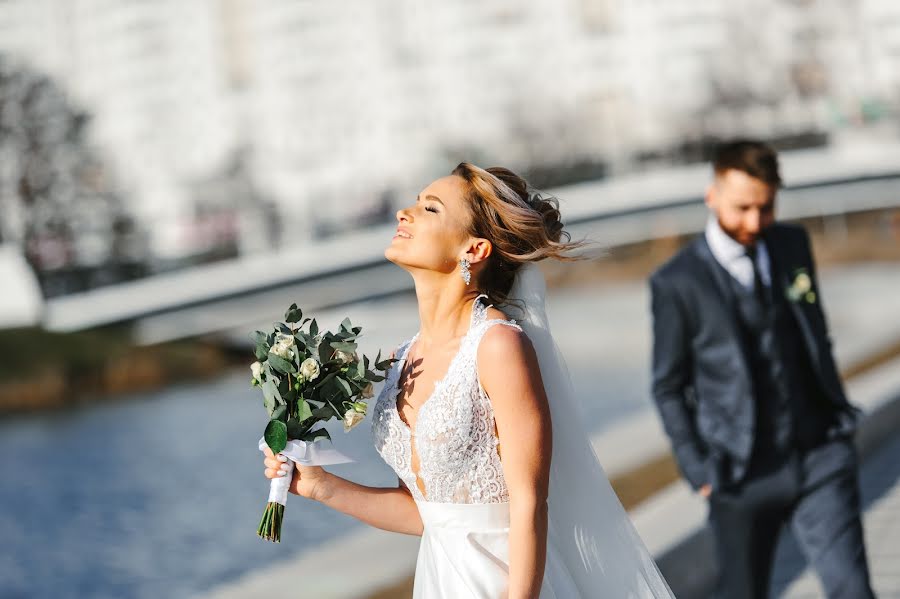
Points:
point(245, 124)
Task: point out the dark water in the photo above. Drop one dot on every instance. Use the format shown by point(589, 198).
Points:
point(157, 495)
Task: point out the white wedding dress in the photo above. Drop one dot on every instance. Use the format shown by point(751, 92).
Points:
point(593, 551)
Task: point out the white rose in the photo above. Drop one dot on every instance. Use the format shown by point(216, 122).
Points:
point(351, 419)
point(803, 283)
point(309, 368)
point(345, 357)
point(368, 391)
point(283, 339)
point(256, 369)
point(282, 350)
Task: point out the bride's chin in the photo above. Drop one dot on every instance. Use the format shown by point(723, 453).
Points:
point(393, 255)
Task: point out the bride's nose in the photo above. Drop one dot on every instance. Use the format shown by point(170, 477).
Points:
point(403, 216)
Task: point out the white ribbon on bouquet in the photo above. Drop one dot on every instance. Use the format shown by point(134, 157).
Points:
point(313, 453)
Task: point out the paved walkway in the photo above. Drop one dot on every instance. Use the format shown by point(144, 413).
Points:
point(880, 481)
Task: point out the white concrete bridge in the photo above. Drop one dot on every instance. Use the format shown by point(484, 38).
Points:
point(346, 269)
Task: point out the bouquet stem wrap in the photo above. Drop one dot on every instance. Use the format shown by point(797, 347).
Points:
point(313, 453)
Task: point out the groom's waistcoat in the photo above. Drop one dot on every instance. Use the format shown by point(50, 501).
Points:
point(790, 408)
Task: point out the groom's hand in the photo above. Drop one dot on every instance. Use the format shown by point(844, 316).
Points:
point(705, 491)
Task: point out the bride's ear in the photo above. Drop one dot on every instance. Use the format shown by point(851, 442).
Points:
point(479, 249)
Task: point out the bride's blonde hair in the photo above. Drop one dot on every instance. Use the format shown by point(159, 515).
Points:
point(521, 224)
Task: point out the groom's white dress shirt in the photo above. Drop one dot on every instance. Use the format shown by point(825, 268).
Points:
point(733, 256)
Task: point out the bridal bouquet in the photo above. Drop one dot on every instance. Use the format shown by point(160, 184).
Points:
point(307, 378)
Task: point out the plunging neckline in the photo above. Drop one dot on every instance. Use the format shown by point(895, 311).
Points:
point(410, 433)
point(398, 387)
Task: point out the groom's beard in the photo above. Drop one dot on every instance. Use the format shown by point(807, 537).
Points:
point(740, 234)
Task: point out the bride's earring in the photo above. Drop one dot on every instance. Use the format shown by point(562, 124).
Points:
point(464, 270)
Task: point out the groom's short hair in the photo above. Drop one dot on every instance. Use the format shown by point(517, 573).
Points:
point(755, 158)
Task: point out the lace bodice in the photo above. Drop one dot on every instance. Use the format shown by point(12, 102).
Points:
point(454, 431)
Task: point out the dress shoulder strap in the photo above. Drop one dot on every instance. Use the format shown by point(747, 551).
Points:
point(480, 322)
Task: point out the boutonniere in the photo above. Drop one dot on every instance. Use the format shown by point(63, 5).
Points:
point(801, 287)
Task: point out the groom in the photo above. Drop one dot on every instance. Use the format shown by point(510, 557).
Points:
point(747, 387)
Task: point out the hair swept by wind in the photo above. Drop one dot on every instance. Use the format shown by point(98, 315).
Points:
point(522, 225)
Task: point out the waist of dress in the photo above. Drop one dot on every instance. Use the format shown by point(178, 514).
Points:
point(464, 515)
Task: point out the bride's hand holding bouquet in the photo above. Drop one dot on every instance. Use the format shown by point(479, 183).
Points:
point(307, 378)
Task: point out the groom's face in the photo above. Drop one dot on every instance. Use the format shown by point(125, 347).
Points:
point(743, 204)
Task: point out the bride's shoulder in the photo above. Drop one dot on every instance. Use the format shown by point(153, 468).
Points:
point(500, 343)
point(504, 359)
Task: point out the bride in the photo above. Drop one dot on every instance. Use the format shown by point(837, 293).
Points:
point(478, 419)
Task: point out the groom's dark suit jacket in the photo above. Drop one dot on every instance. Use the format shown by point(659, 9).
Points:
point(702, 383)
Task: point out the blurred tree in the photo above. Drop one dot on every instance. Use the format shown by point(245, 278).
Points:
point(56, 196)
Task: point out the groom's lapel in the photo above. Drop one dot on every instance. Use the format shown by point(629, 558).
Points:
point(717, 277)
point(783, 265)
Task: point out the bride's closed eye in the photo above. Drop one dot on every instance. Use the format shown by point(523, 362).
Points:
point(431, 209)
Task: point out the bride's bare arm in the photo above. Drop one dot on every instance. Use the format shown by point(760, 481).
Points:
point(390, 509)
point(509, 373)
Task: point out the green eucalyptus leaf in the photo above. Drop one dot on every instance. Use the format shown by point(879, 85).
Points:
point(344, 346)
point(261, 351)
point(345, 324)
point(336, 408)
point(258, 337)
point(324, 352)
point(347, 334)
point(279, 413)
point(313, 328)
point(289, 396)
point(344, 386)
point(281, 364)
point(302, 339)
point(271, 395)
point(384, 364)
point(269, 404)
point(329, 392)
point(293, 314)
point(271, 373)
point(319, 433)
point(303, 411)
point(324, 380)
point(323, 413)
point(276, 435)
point(296, 429)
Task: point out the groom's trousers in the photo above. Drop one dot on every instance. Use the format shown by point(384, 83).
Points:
point(817, 493)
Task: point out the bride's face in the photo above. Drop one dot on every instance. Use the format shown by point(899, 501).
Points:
point(433, 232)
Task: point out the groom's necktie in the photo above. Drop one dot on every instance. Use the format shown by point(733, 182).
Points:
point(759, 288)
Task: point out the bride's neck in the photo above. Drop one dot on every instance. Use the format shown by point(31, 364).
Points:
point(444, 309)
